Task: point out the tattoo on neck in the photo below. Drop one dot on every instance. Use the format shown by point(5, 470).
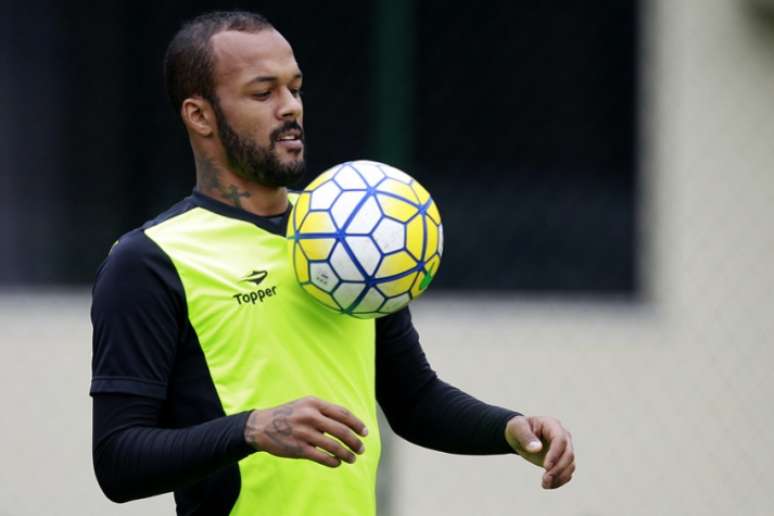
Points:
point(207, 175)
point(208, 181)
point(233, 195)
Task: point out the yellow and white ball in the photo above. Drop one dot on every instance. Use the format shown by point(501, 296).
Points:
point(365, 238)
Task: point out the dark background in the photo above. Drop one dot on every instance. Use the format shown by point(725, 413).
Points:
point(519, 118)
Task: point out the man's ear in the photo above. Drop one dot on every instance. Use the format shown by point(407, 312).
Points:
point(198, 116)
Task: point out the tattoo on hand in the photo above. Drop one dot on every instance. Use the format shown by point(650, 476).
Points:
point(281, 431)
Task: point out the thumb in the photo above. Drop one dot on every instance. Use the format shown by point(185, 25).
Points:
point(520, 431)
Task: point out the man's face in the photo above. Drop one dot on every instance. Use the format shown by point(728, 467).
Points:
point(258, 106)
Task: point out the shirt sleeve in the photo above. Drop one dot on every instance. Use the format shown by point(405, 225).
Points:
point(134, 457)
point(137, 313)
point(422, 408)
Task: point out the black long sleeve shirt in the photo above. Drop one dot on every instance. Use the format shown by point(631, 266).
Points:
point(152, 436)
point(135, 457)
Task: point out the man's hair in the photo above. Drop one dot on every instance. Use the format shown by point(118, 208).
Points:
point(189, 62)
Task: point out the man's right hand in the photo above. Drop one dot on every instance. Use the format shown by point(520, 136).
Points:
point(303, 428)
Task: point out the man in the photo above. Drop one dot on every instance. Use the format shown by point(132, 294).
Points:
point(198, 394)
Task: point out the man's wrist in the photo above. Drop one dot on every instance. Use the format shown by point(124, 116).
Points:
point(507, 436)
point(250, 431)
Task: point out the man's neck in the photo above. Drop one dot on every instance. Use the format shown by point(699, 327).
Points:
point(218, 182)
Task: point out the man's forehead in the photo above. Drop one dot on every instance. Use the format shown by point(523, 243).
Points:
point(239, 52)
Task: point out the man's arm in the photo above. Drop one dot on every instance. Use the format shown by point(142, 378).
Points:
point(426, 411)
point(422, 408)
point(138, 312)
point(134, 457)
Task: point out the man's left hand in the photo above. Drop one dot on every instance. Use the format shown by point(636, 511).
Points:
point(543, 441)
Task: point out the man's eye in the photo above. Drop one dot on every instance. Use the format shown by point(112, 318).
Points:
point(262, 95)
point(296, 92)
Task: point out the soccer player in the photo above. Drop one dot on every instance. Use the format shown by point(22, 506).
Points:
point(199, 391)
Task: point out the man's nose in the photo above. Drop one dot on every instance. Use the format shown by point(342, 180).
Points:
point(291, 106)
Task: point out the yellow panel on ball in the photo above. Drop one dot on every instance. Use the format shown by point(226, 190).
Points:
point(318, 222)
point(422, 194)
point(300, 209)
point(301, 264)
point(396, 208)
point(325, 176)
point(425, 277)
point(433, 212)
point(321, 296)
point(415, 237)
point(317, 248)
point(396, 187)
point(398, 286)
point(432, 239)
point(394, 264)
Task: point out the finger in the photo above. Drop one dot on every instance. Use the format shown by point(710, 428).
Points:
point(340, 432)
point(522, 431)
point(567, 458)
point(553, 480)
point(320, 457)
point(344, 416)
point(559, 480)
point(556, 448)
point(331, 446)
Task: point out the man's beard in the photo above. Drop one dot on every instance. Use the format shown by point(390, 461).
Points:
point(256, 163)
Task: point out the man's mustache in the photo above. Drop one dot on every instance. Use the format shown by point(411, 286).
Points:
point(288, 126)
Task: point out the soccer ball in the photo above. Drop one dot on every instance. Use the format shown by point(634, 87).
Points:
point(365, 238)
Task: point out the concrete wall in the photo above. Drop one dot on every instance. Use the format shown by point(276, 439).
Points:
point(668, 400)
point(46, 425)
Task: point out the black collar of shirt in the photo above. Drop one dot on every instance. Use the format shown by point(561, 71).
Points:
point(275, 224)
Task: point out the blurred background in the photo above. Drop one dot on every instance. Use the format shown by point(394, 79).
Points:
point(604, 171)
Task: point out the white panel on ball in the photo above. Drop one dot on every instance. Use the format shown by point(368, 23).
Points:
point(366, 217)
point(346, 294)
point(395, 303)
point(370, 172)
point(365, 251)
point(345, 205)
point(323, 276)
point(348, 179)
point(390, 235)
point(323, 196)
point(343, 265)
point(396, 174)
point(370, 302)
